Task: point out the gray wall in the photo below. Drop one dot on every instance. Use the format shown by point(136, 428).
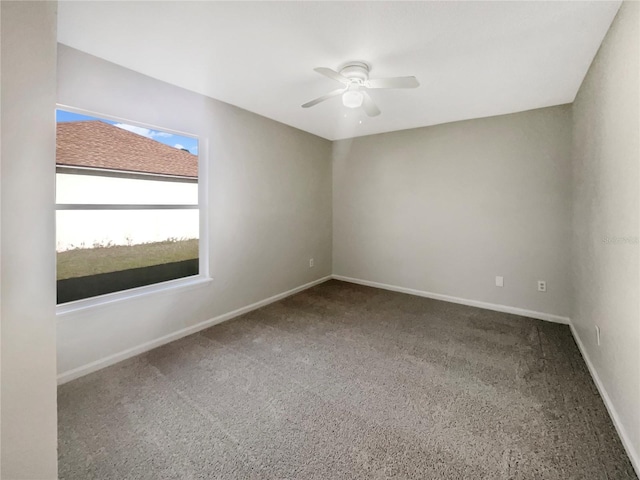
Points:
point(28, 390)
point(269, 207)
point(441, 209)
point(445, 209)
point(605, 267)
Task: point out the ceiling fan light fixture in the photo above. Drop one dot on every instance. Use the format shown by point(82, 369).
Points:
point(355, 82)
point(352, 98)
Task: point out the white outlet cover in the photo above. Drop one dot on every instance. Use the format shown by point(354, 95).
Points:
point(499, 281)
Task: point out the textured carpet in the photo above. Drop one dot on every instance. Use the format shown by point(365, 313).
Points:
point(345, 381)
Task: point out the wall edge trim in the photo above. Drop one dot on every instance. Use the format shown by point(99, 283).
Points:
point(549, 317)
point(611, 409)
point(109, 360)
point(613, 414)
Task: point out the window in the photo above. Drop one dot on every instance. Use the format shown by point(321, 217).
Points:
point(127, 209)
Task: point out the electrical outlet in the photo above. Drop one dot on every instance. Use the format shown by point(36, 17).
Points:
point(542, 286)
point(598, 335)
point(499, 281)
point(311, 263)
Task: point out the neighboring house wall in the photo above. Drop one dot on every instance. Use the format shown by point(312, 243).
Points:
point(269, 194)
point(606, 232)
point(28, 295)
point(84, 228)
point(445, 209)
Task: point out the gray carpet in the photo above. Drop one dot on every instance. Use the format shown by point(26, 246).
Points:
point(345, 381)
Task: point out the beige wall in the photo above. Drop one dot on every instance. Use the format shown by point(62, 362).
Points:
point(605, 267)
point(445, 209)
point(270, 207)
point(28, 419)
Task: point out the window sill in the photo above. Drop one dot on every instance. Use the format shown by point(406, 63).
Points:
point(182, 284)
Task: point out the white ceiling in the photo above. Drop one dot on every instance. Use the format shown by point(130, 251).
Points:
point(473, 59)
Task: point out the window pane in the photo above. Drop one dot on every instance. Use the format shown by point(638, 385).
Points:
point(110, 179)
point(94, 189)
point(107, 251)
point(91, 145)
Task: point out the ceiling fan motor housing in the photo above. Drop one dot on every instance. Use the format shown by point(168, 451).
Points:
point(356, 71)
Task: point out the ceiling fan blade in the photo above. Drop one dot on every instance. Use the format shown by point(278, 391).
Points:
point(333, 75)
point(369, 106)
point(398, 82)
point(323, 98)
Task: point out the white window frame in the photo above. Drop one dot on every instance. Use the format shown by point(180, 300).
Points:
point(187, 283)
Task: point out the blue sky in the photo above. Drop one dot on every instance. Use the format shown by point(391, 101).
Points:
point(171, 139)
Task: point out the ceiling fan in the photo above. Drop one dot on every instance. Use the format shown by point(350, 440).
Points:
point(354, 77)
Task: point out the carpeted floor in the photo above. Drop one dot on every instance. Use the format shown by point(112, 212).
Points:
point(346, 382)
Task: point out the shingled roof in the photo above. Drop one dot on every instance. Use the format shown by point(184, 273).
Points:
point(96, 144)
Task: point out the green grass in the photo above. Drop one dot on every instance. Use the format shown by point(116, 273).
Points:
point(91, 261)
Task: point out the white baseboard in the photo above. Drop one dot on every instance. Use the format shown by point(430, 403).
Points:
point(622, 433)
point(118, 357)
point(463, 301)
point(78, 372)
point(624, 438)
